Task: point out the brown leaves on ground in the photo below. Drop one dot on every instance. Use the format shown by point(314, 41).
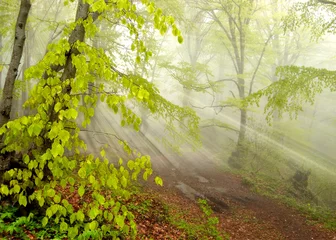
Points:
point(165, 213)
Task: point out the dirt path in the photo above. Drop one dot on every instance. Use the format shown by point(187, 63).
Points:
point(243, 214)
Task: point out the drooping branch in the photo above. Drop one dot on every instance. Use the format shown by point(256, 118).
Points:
point(19, 41)
point(327, 2)
point(229, 80)
point(216, 123)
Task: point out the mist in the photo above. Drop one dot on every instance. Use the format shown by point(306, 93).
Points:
point(230, 72)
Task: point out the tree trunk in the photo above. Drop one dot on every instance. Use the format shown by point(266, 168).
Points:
point(0, 61)
point(236, 157)
point(20, 36)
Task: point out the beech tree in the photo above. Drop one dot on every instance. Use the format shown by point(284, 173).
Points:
point(42, 152)
point(298, 85)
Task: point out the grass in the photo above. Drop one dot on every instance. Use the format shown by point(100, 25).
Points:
point(281, 190)
point(198, 227)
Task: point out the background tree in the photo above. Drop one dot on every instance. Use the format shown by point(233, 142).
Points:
point(299, 86)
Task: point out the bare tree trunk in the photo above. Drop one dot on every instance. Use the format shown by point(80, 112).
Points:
point(237, 156)
point(20, 36)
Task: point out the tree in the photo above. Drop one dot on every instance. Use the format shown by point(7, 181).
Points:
point(20, 36)
point(235, 24)
point(41, 153)
point(298, 84)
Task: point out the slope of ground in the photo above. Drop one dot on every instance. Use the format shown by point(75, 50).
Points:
point(242, 213)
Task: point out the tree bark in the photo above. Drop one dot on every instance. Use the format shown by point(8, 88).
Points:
point(20, 36)
point(0, 60)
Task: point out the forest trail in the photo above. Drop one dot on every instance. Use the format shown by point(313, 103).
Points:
point(195, 174)
point(242, 213)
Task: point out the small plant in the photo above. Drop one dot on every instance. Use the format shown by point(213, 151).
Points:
point(17, 227)
point(203, 227)
point(212, 222)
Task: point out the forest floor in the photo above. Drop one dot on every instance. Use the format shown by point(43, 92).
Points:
point(242, 213)
point(173, 212)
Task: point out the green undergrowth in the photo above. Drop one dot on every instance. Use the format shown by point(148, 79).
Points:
point(155, 219)
point(282, 191)
point(15, 226)
point(204, 226)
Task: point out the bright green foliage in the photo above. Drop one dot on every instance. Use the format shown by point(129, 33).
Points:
point(297, 85)
point(16, 227)
point(309, 14)
point(212, 222)
point(49, 139)
point(187, 75)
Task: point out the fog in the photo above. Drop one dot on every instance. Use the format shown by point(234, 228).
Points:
point(203, 73)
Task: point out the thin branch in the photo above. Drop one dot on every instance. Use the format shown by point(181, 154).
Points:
point(232, 94)
point(84, 94)
point(99, 132)
point(231, 56)
point(215, 125)
point(259, 63)
point(229, 80)
point(217, 106)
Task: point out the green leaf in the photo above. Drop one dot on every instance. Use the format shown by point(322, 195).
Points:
point(180, 39)
point(4, 189)
point(49, 212)
point(93, 225)
point(16, 189)
point(100, 199)
point(72, 181)
point(110, 216)
point(72, 113)
point(82, 172)
point(102, 153)
point(64, 135)
point(63, 226)
point(92, 179)
point(72, 232)
point(158, 181)
point(80, 216)
point(141, 94)
point(57, 149)
point(44, 221)
point(130, 164)
point(23, 200)
point(24, 120)
point(145, 176)
point(93, 213)
point(58, 106)
point(81, 191)
point(120, 221)
point(112, 181)
point(57, 199)
point(34, 129)
point(72, 218)
point(91, 112)
point(51, 193)
point(123, 181)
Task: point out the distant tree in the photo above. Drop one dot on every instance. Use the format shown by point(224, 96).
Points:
point(298, 85)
